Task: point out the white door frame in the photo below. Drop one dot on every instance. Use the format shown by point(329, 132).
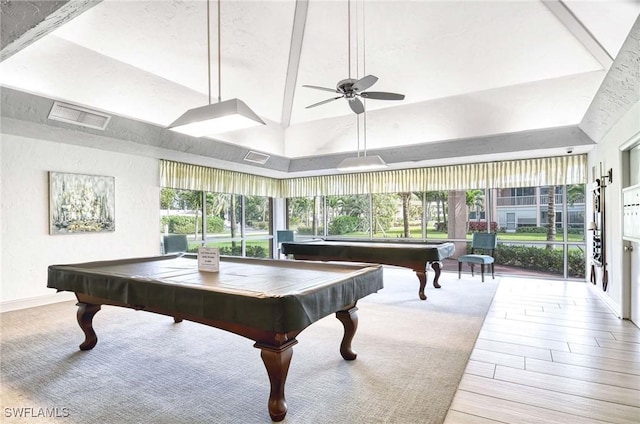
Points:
point(626, 307)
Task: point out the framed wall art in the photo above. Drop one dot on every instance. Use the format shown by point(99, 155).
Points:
point(81, 203)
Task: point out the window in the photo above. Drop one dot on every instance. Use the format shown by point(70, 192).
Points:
point(305, 216)
point(349, 216)
point(238, 225)
point(525, 242)
point(181, 213)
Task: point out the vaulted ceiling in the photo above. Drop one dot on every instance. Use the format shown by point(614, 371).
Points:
point(482, 79)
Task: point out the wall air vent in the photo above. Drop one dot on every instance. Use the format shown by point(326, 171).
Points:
point(77, 115)
point(256, 157)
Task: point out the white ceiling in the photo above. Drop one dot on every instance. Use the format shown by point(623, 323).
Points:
point(468, 68)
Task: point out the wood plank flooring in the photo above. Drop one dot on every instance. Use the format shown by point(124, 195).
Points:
point(550, 352)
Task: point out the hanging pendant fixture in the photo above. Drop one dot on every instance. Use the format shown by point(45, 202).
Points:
point(360, 162)
point(216, 118)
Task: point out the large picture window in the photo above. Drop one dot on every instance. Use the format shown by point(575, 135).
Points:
point(535, 205)
point(238, 225)
point(529, 241)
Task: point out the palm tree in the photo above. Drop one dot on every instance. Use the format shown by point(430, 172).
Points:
point(406, 197)
point(439, 197)
point(551, 216)
point(475, 200)
point(575, 193)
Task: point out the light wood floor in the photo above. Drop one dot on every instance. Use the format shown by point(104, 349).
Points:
point(550, 352)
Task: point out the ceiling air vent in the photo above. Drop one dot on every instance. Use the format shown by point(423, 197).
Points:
point(77, 115)
point(256, 157)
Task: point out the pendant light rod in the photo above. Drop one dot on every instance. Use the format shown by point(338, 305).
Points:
point(219, 56)
point(361, 162)
point(209, 50)
point(349, 36)
point(364, 72)
point(220, 117)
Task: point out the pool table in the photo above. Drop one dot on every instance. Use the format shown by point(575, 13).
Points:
point(267, 301)
point(415, 256)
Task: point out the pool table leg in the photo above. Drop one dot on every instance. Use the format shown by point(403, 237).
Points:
point(277, 359)
point(349, 319)
point(85, 316)
point(437, 267)
point(422, 276)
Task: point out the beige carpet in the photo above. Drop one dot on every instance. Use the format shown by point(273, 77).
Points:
point(145, 369)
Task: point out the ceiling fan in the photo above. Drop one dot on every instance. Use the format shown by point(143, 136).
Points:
point(350, 88)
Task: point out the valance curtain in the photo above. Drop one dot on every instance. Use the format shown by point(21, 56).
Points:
point(559, 170)
point(195, 177)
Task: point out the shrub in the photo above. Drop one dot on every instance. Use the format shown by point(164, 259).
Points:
point(344, 225)
point(215, 224)
point(179, 224)
point(185, 224)
point(252, 251)
point(540, 259)
point(543, 230)
point(258, 225)
point(532, 230)
point(256, 252)
point(308, 231)
point(481, 226)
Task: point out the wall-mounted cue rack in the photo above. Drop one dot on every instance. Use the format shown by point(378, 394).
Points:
point(597, 225)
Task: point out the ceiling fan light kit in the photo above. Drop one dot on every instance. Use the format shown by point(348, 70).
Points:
point(216, 118)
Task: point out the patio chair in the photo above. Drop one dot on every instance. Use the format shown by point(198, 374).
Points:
point(486, 243)
point(284, 236)
point(174, 243)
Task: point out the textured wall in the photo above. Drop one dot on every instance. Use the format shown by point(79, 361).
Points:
point(26, 21)
point(608, 153)
point(27, 248)
point(619, 91)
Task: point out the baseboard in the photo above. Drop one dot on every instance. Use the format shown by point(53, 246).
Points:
point(31, 302)
point(615, 308)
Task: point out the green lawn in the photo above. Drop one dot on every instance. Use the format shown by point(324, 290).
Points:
point(417, 233)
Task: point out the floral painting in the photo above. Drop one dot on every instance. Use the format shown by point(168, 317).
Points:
point(81, 203)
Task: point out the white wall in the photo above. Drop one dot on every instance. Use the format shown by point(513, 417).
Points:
point(27, 249)
point(608, 153)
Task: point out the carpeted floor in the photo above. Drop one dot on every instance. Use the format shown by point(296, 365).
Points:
point(145, 369)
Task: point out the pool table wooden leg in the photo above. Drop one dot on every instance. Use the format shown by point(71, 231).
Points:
point(422, 276)
point(85, 315)
point(349, 319)
point(437, 267)
point(277, 359)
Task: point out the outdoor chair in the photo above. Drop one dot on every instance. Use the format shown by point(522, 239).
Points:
point(174, 243)
point(486, 244)
point(284, 236)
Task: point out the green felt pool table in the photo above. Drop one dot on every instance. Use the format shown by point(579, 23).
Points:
point(416, 256)
point(268, 301)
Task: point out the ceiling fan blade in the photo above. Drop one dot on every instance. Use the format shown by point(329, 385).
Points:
point(381, 95)
point(333, 90)
point(356, 105)
point(364, 83)
point(323, 102)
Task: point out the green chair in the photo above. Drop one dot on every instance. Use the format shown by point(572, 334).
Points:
point(174, 243)
point(284, 236)
point(485, 243)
